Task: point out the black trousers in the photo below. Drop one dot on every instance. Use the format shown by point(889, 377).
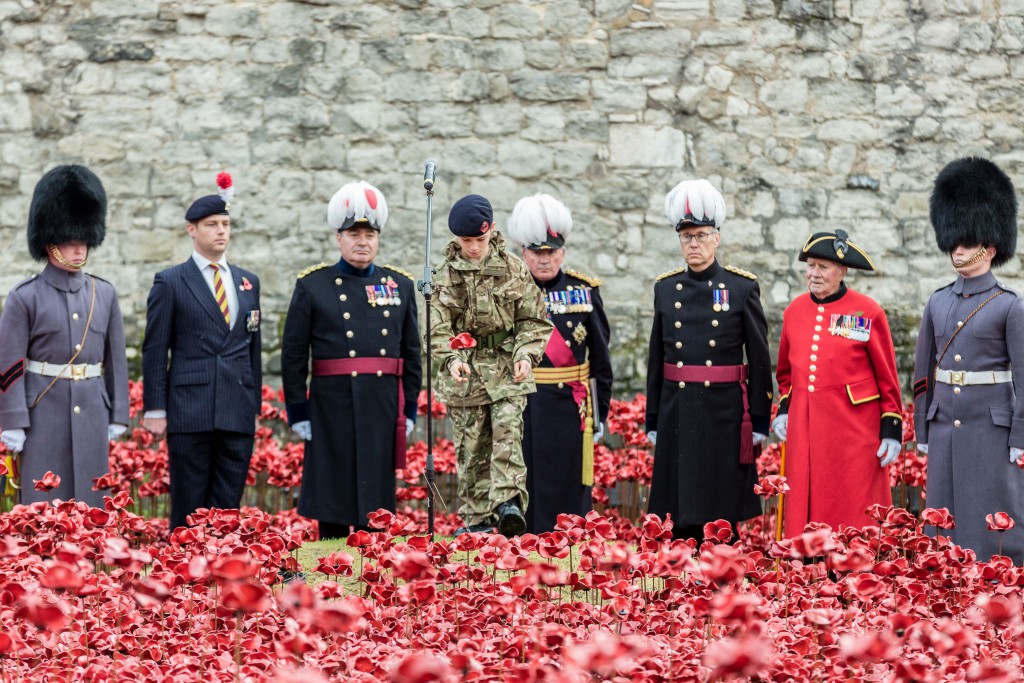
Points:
point(208, 470)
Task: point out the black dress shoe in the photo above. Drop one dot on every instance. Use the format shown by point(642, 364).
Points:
point(289, 576)
point(481, 528)
point(510, 520)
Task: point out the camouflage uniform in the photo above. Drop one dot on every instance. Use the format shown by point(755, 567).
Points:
point(488, 300)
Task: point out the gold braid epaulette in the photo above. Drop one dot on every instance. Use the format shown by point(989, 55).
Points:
point(740, 271)
point(312, 269)
point(671, 273)
point(589, 279)
point(400, 271)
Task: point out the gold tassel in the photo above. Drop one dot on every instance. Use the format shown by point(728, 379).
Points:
point(588, 453)
point(12, 486)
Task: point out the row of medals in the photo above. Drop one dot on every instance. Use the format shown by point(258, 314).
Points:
point(569, 301)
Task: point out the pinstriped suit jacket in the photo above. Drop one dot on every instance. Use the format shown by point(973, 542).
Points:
point(206, 375)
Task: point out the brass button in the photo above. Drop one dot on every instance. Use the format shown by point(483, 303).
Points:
point(568, 343)
point(337, 280)
point(77, 410)
point(350, 334)
point(343, 297)
point(812, 378)
point(816, 338)
point(679, 345)
point(679, 364)
point(814, 347)
point(568, 323)
point(387, 314)
point(813, 368)
point(818, 318)
point(346, 315)
point(384, 332)
point(814, 357)
point(678, 324)
point(679, 285)
point(679, 305)
point(714, 323)
point(959, 323)
point(817, 328)
point(354, 373)
point(561, 385)
point(811, 388)
point(956, 423)
point(380, 373)
point(957, 358)
point(707, 383)
point(956, 390)
point(352, 354)
point(711, 343)
point(74, 316)
point(707, 363)
point(383, 352)
point(821, 309)
point(78, 347)
point(682, 385)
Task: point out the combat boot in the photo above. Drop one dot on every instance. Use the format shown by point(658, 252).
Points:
point(510, 519)
point(481, 528)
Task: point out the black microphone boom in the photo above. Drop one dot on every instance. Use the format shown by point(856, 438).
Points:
point(428, 175)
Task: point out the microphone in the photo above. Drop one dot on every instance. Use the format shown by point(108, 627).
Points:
point(428, 175)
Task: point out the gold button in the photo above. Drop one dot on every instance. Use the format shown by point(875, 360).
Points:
point(721, 285)
point(384, 332)
point(679, 345)
point(387, 314)
point(383, 280)
point(568, 323)
point(682, 385)
point(707, 363)
point(817, 328)
point(813, 368)
point(818, 318)
point(679, 285)
point(678, 324)
point(956, 390)
point(346, 315)
point(569, 288)
point(711, 343)
point(814, 357)
point(956, 423)
point(821, 309)
point(812, 378)
point(77, 410)
point(959, 323)
point(350, 334)
point(383, 352)
point(568, 343)
point(561, 385)
point(380, 373)
point(337, 280)
point(343, 297)
point(352, 354)
point(74, 316)
point(707, 383)
point(678, 305)
point(78, 347)
point(679, 364)
point(816, 338)
point(714, 323)
point(354, 373)
point(957, 358)
point(811, 388)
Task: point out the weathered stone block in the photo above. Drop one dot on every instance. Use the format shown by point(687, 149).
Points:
point(615, 95)
point(234, 21)
point(785, 95)
point(639, 145)
point(524, 159)
point(551, 87)
point(516, 21)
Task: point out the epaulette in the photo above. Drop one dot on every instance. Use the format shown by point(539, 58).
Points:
point(312, 269)
point(1003, 286)
point(670, 273)
point(24, 282)
point(740, 271)
point(589, 279)
point(400, 271)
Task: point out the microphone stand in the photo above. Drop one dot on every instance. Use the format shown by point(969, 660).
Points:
point(425, 286)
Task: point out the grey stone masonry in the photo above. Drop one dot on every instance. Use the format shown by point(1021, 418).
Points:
point(808, 114)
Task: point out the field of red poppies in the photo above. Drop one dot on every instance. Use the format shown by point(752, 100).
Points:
point(105, 595)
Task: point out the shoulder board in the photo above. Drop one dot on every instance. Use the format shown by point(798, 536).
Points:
point(99, 278)
point(312, 269)
point(1006, 288)
point(589, 279)
point(670, 273)
point(398, 270)
point(24, 282)
point(740, 271)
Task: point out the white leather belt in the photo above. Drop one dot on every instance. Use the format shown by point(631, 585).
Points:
point(963, 379)
point(76, 372)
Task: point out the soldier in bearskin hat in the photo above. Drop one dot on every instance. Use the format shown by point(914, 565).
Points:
point(574, 378)
point(357, 320)
point(967, 416)
point(63, 371)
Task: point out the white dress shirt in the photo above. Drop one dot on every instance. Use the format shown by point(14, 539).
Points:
point(225, 275)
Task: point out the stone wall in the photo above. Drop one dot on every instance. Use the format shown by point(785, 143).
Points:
point(807, 114)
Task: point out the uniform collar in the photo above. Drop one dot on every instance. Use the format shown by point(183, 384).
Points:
point(831, 297)
point(552, 283)
point(347, 268)
point(203, 262)
point(974, 285)
point(703, 276)
point(65, 281)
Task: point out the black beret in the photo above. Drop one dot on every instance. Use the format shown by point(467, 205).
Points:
point(211, 204)
point(471, 216)
point(835, 246)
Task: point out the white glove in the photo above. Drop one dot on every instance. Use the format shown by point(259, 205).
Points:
point(1015, 454)
point(759, 437)
point(599, 433)
point(304, 429)
point(14, 439)
point(779, 425)
point(887, 451)
point(923, 447)
point(653, 438)
point(114, 431)
point(409, 426)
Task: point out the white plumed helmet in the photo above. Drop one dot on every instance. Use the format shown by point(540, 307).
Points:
point(539, 222)
point(694, 203)
point(357, 203)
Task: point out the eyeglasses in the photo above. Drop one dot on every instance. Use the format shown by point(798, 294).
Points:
point(701, 237)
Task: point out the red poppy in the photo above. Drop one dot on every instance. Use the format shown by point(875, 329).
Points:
point(244, 596)
point(49, 482)
point(938, 518)
point(771, 485)
point(463, 340)
point(60, 575)
point(420, 667)
point(1000, 521)
point(719, 530)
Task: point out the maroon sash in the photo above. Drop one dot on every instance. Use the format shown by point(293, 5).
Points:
point(721, 374)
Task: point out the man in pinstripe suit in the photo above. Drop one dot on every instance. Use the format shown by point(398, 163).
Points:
point(205, 313)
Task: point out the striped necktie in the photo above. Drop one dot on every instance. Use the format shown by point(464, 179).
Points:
point(220, 294)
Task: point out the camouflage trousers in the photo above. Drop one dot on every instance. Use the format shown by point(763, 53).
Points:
point(489, 448)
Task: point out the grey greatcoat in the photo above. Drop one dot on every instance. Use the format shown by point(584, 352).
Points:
point(44, 318)
point(970, 429)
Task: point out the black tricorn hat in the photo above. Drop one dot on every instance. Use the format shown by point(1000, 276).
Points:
point(974, 202)
point(68, 205)
point(836, 246)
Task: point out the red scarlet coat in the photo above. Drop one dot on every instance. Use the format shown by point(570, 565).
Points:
point(839, 386)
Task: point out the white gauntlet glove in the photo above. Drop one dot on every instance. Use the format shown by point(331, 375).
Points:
point(923, 447)
point(409, 426)
point(653, 438)
point(115, 430)
point(1015, 454)
point(599, 433)
point(304, 429)
point(887, 451)
point(14, 439)
point(779, 425)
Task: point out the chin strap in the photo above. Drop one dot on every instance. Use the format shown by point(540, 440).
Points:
point(980, 254)
point(59, 257)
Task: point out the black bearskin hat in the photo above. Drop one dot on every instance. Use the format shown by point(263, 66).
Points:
point(68, 205)
point(974, 203)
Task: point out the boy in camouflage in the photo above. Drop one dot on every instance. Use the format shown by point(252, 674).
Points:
point(484, 291)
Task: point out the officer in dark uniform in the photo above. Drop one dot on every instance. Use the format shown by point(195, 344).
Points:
point(574, 378)
point(358, 322)
point(707, 409)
